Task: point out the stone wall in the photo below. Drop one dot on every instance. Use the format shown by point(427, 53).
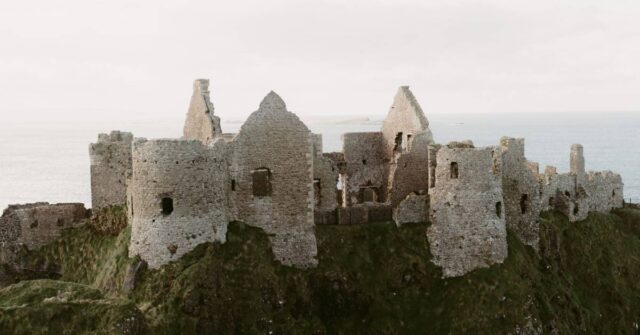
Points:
point(405, 118)
point(38, 224)
point(179, 191)
point(521, 191)
point(272, 170)
point(201, 124)
point(409, 173)
point(325, 178)
point(110, 166)
point(366, 167)
point(413, 209)
point(468, 228)
point(578, 192)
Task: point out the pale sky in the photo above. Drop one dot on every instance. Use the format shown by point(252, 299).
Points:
point(137, 59)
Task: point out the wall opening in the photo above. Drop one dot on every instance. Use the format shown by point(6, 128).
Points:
point(567, 193)
point(576, 209)
point(524, 203)
point(34, 224)
point(167, 205)
point(613, 194)
point(364, 162)
point(454, 170)
point(398, 145)
point(317, 191)
point(261, 182)
point(233, 184)
point(499, 209)
point(408, 145)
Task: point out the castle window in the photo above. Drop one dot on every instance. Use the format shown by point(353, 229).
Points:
point(408, 145)
point(398, 145)
point(576, 209)
point(167, 205)
point(364, 162)
point(499, 209)
point(261, 182)
point(317, 191)
point(524, 203)
point(233, 184)
point(454, 170)
point(613, 194)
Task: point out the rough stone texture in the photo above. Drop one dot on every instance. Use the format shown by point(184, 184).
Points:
point(521, 191)
point(577, 193)
point(195, 177)
point(35, 225)
point(110, 166)
point(366, 166)
point(413, 209)
point(409, 173)
point(405, 117)
point(325, 179)
point(201, 124)
point(275, 139)
point(468, 228)
point(605, 189)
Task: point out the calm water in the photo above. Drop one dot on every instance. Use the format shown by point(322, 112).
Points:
point(49, 161)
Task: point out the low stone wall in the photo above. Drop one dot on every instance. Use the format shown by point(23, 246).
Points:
point(354, 215)
point(35, 225)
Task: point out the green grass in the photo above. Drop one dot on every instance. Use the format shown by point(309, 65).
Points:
point(56, 307)
point(373, 279)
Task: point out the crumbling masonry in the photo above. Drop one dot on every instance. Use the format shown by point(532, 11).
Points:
point(273, 174)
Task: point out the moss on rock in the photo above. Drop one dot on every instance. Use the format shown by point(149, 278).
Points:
point(56, 307)
point(376, 278)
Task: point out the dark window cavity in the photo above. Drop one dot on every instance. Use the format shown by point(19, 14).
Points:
point(524, 203)
point(499, 209)
point(317, 191)
point(454, 170)
point(233, 184)
point(167, 205)
point(261, 182)
point(398, 145)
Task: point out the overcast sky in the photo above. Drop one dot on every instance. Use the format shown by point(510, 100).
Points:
point(137, 59)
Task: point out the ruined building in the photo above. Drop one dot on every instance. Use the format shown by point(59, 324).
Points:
point(273, 174)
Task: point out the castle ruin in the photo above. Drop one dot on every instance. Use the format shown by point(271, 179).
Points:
point(273, 174)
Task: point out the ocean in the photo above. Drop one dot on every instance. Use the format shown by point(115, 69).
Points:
point(49, 160)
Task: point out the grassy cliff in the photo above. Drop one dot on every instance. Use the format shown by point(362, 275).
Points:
point(372, 279)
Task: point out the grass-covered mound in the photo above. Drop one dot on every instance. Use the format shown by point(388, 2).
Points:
point(377, 279)
point(56, 307)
